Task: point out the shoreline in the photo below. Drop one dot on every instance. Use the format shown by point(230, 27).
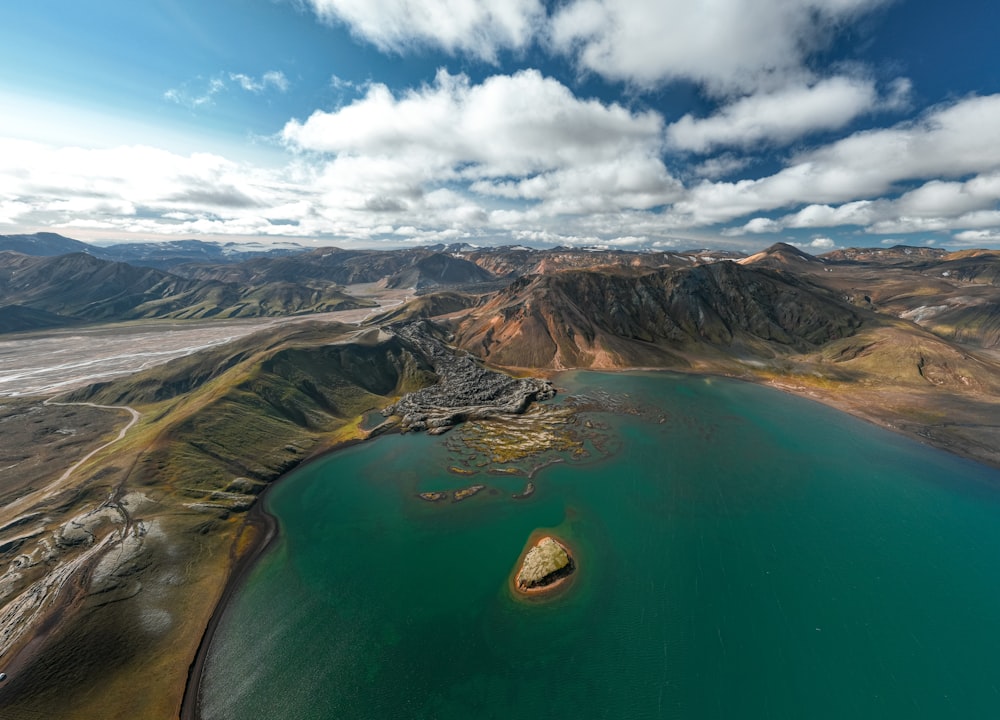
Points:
point(269, 525)
point(265, 526)
point(841, 402)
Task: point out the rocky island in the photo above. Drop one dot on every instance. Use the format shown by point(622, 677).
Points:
point(544, 567)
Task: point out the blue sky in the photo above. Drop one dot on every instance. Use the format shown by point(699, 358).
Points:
point(625, 123)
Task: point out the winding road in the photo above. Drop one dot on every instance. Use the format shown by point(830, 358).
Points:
point(15, 508)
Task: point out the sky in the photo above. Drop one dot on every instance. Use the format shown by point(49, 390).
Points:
point(639, 124)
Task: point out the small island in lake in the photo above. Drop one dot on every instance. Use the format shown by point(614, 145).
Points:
point(544, 566)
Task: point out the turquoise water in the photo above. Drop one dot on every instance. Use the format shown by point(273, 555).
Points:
point(753, 556)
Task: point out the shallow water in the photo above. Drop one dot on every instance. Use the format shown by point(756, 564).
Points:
point(754, 556)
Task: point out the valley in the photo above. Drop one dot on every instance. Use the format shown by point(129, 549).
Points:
point(42, 362)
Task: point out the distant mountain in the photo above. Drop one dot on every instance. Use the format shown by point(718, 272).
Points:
point(780, 255)
point(416, 267)
point(515, 261)
point(162, 255)
point(439, 270)
point(79, 287)
point(952, 294)
point(168, 255)
point(45, 244)
point(896, 254)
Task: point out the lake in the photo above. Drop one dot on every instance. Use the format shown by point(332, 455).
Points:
point(741, 553)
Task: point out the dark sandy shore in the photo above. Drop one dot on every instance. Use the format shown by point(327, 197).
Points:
point(266, 526)
point(266, 530)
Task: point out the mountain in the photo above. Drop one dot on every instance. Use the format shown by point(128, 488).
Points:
point(514, 261)
point(602, 319)
point(45, 244)
point(18, 318)
point(152, 529)
point(779, 256)
point(418, 267)
point(427, 306)
point(897, 254)
point(168, 255)
point(952, 294)
point(80, 287)
point(438, 270)
point(163, 255)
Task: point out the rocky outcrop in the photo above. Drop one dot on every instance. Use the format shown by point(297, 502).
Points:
point(544, 566)
point(465, 390)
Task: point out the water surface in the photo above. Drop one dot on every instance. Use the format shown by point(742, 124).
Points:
point(755, 555)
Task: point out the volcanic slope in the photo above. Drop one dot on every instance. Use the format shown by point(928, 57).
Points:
point(665, 318)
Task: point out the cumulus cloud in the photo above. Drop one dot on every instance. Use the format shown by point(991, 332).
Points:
point(935, 206)
point(779, 116)
point(512, 158)
point(948, 142)
point(726, 45)
point(521, 136)
point(470, 26)
point(729, 46)
point(821, 243)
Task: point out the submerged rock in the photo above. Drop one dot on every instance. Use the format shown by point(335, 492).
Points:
point(544, 566)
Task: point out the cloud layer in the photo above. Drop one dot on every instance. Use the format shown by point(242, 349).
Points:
point(775, 147)
point(728, 45)
point(516, 157)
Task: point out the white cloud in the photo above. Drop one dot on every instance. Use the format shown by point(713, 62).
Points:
point(861, 212)
point(948, 142)
point(200, 92)
point(760, 226)
point(779, 116)
point(508, 159)
point(196, 94)
point(719, 166)
point(519, 136)
point(471, 26)
point(271, 79)
point(137, 189)
point(727, 45)
point(978, 237)
point(935, 206)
